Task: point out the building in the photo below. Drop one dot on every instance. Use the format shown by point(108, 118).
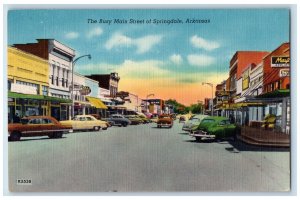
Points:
point(277, 69)
point(60, 61)
point(107, 81)
point(133, 103)
point(28, 85)
point(238, 63)
point(153, 106)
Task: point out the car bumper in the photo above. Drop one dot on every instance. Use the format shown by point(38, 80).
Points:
point(201, 134)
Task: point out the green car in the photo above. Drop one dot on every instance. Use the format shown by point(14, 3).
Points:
point(214, 128)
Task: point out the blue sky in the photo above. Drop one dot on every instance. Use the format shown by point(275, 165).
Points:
point(179, 53)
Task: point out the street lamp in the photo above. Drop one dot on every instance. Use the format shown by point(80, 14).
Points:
point(147, 101)
point(72, 94)
point(212, 96)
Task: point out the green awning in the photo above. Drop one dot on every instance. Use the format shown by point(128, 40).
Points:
point(24, 96)
point(37, 97)
point(276, 94)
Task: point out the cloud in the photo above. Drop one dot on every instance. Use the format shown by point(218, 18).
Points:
point(71, 35)
point(94, 32)
point(143, 44)
point(176, 59)
point(200, 60)
point(201, 43)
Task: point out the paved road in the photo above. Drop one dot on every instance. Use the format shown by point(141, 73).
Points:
point(144, 158)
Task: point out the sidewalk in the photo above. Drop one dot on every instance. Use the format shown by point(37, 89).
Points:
point(262, 137)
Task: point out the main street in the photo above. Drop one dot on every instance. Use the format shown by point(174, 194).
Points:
point(143, 158)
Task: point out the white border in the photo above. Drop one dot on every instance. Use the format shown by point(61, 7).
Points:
point(116, 4)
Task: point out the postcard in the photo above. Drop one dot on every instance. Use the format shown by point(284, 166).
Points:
point(149, 100)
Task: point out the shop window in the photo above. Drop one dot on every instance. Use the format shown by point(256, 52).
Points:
point(45, 90)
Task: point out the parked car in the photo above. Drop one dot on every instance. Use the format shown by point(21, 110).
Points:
point(135, 120)
point(36, 126)
point(144, 118)
point(193, 123)
point(214, 128)
point(117, 120)
point(85, 122)
point(165, 120)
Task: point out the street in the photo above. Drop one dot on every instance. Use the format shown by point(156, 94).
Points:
point(143, 158)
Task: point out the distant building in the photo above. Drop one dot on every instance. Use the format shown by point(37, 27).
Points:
point(107, 81)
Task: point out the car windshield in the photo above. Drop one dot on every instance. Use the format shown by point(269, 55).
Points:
point(208, 121)
point(194, 120)
point(164, 117)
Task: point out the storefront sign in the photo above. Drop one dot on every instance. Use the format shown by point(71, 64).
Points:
point(24, 89)
point(245, 83)
point(284, 72)
point(85, 90)
point(280, 61)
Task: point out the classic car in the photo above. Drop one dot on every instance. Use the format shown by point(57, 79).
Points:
point(164, 120)
point(193, 123)
point(214, 128)
point(36, 126)
point(117, 120)
point(85, 122)
point(144, 118)
point(135, 120)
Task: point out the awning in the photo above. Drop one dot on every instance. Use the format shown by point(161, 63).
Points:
point(276, 94)
point(96, 102)
point(37, 97)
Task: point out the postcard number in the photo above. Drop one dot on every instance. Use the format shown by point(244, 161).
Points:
point(24, 182)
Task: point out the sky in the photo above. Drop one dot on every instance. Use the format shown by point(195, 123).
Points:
point(169, 60)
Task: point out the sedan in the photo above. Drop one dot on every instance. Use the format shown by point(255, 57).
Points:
point(36, 126)
point(193, 123)
point(214, 128)
point(165, 120)
point(85, 122)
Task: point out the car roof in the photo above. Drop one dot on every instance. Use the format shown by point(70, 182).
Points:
point(38, 116)
point(84, 116)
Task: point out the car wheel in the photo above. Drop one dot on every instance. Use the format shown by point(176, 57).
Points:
point(198, 139)
point(105, 128)
point(124, 124)
point(96, 128)
point(58, 135)
point(15, 136)
point(158, 126)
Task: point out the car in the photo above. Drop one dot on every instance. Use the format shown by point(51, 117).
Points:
point(164, 120)
point(144, 118)
point(117, 120)
point(135, 120)
point(214, 128)
point(36, 126)
point(85, 122)
point(193, 123)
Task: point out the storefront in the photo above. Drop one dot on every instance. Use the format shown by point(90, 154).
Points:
point(28, 105)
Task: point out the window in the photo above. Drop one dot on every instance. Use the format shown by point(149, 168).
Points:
point(34, 121)
point(46, 121)
point(89, 119)
point(82, 119)
point(52, 79)
point(9, 85)
point(45, 90)
point(57, 81)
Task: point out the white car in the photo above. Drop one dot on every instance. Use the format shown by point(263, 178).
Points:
point(193, 123)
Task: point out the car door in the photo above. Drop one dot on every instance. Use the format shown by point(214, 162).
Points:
point(230, 129)
point(47, 126)
point(221, 128)
point(33, 128)
point(90, 122)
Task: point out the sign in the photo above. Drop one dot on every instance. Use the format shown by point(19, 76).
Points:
point(154, 101)
point(85, 90)
point(280, 61)
point(284, 73)
point(24, 89)
point(245, 81)
point(122, 94)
